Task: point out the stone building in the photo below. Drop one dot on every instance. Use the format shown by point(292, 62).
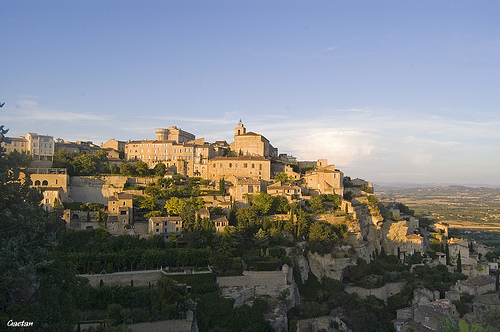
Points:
point(114, 144)
point(290, 191)
point(485, 302)
point(255, 167)
point(120, 213)
point(462, 246)
point(51, 197)
point(325, 180)
point(164, 225)
point(172, 148)
point(252, 144)
point(19, 144)
point(173, 133)
point(241, 187)
point(86, 147)
point(475, 286)
point(426, 317)
point(42, 149)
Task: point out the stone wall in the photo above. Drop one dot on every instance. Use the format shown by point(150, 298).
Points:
point(140, 278)
point(382, 293)
point(87, 189)
point(276, 284)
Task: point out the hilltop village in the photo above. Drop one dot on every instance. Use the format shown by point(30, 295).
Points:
point(296, 244)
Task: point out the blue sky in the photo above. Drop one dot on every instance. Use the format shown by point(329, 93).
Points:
point(389, 91)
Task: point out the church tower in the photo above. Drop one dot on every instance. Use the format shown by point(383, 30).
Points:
point(239, 129)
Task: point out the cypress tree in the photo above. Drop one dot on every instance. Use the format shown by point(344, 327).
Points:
point(447, 252)
point(459, 263)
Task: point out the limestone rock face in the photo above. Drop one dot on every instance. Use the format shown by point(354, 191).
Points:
point(276, 316)
point(298, 253)
point(364, 232)
point(394, 234)
point(328, 266)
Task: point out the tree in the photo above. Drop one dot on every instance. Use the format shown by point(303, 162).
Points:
point(459, 263)
point(321, 232)
point(175, 205)
point(283, 177)
point(261, 239)
point(141, 168)
point(126, 169)
point(263, 203)
point(27, 278)
point(222, 187)
point(316, 203)
point(147, 203)
point(160, 169)
point(447, 253)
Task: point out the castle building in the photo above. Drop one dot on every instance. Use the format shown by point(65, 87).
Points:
point(252, 144)
point(177, 149)
point(255, 167)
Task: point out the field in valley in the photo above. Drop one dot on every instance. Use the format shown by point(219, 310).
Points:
point(471, 212)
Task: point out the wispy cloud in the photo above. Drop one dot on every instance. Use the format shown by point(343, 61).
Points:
point(31, 110)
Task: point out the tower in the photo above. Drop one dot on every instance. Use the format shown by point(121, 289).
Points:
point(161, 134)
point(239, 129)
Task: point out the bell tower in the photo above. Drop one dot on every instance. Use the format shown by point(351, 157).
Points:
point(239, 129)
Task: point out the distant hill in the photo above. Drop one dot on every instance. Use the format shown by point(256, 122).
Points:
point(383, 186)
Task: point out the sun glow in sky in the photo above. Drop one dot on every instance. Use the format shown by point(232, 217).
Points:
point(389, 91)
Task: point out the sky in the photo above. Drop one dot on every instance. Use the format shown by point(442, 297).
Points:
point(388, 91)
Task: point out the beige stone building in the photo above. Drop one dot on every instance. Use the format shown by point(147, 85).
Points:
point(252, 144)
point(19, 144)
point(86, 147)
point(255, 167)
point(462, 246)
point(120, 213)
point(164, 225)
point(220, 222)
point(51, 197)
point(52, 178)
point(114, 144)
point(325, 180)
point(173, 133)
point(241, 187)
point(290, 191)
point(476, 285)
point(42, 149)
point(189, 158)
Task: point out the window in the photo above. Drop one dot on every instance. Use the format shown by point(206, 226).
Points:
point(245, 165)
point(123, 213)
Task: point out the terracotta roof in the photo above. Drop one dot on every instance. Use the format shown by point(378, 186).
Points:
point(163, 219)
point(257, 158)
point(251, 181)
